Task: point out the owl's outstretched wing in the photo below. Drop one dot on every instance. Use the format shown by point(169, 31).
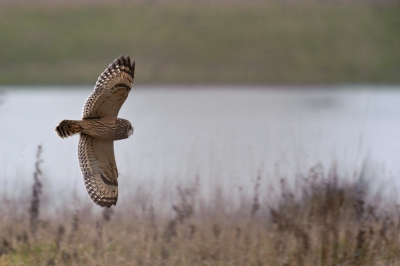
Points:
point(97, 161)
point(111, 89)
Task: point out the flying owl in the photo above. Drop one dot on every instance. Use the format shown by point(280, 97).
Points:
point(99, 128)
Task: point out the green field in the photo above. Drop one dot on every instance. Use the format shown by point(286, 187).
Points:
point(189, 43)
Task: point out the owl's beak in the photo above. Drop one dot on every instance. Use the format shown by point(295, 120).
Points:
point(130, 131)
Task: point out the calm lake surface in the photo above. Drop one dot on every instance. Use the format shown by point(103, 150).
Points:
point(225, 136)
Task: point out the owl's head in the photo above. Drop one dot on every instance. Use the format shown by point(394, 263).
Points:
point(124, 128)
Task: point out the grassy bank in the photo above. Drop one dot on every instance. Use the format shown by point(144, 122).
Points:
point(189, 43)
point(324, 221)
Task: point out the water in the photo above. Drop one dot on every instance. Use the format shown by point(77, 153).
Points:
point(225, 136)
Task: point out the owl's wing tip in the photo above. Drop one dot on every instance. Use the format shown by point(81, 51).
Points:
point(106, 204)
point(125, 60)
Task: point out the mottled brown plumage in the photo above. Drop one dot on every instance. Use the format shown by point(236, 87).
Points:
point(99, 128)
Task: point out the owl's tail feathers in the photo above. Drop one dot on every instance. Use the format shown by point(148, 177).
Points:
point(68, 128)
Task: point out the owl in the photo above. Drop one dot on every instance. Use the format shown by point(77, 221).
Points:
point(99, 128)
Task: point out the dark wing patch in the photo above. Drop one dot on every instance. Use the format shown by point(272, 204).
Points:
point(111, 89)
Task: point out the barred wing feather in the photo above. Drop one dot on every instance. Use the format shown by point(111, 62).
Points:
point(97, 162)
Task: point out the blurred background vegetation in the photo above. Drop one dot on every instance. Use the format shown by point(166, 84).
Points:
point(303, 42)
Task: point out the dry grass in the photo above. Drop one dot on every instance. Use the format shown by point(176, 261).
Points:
point(325, 222)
